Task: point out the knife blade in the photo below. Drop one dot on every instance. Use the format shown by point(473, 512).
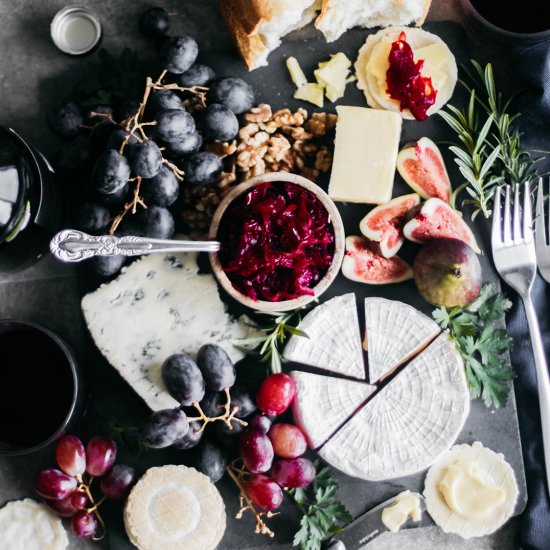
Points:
point(369, 526)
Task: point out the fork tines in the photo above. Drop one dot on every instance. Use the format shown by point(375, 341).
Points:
point(515, 229)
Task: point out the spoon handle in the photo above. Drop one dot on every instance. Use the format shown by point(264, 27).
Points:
point(71, 245)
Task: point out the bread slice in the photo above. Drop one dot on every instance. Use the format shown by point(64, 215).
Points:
point(257, 26)
point(337, 16)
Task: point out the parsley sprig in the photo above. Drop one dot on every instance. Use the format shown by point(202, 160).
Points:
point(323, 515)
point(482, 344)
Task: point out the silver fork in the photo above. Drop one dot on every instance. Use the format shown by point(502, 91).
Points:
point(515, 259)
point(541, 241)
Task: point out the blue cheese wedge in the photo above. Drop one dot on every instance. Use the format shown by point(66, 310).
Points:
point(158, 306)
point(174, 507)
point(322, 404)
point(334, 341)
point(395, 332)
point(29, 525)
point(410, 422)
point(365, 155)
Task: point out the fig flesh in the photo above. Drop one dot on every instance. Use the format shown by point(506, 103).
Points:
point(422, 167)
point(437, 220)
point(363, 263)
point(384, 224)
point(447, 273)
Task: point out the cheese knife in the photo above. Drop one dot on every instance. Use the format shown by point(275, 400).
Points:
point(369, 526)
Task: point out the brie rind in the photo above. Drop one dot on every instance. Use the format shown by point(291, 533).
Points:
point(158, 306)
point(174, 507)
point(502, 476)
point(395, 332)
point(334, 341)
point(30, 525)
point(322, 404)
point(410, 422)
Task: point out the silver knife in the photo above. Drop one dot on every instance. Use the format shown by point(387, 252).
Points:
point(369, 526)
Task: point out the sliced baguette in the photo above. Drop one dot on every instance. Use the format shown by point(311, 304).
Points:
point(337, 16)
point(257, 26)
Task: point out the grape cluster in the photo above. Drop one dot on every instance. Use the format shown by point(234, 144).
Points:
point(262, 441)
point(67, 490)
point(139, 153)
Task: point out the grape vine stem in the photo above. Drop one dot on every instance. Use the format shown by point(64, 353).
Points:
point(228, 414)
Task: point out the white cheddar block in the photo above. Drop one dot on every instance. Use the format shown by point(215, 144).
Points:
point(365, 155)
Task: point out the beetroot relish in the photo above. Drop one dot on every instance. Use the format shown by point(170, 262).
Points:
point(405, 83)
point(277, 242)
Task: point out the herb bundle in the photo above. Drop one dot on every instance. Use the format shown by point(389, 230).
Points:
point(481, 344)
point(323, 515)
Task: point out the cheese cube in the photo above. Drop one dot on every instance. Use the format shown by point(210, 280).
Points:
point(365, 155)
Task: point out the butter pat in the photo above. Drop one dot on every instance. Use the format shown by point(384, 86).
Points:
point(365, 155)
point(470, 491)
point(406, 505)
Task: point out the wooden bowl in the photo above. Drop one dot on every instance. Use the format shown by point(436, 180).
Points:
point(339, 243)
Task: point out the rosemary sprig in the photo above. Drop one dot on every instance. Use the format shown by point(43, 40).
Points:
point(268, 346)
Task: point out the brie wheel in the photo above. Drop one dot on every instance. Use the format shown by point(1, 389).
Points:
point(471, 491)
point(372, 63)
point(30, 525)
point(334, 342)
point(174, 508)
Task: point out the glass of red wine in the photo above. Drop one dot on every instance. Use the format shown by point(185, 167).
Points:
point(41, 388)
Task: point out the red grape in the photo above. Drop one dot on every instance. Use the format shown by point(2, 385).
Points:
point(101, 455)
point(117, 483)
point(256, 450)
point(54, 484)
point(70, 455)
point(294, 473)
point(260, 422)
point(288, 440)
point(84, 524)
point(276, 394)
point(63, 507)
point(264, 492)
point(79, 500)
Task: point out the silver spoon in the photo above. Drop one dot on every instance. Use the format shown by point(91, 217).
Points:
point(71, 245)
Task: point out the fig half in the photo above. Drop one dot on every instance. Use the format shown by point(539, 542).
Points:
point(422, 167)
point(384, 224)
point(437, 220)
point(363, 263)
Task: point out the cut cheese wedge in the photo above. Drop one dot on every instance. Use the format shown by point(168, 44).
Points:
point(334, 341)
point(174, 507)
point(409, 423)
point(395, 332)
point(493, 471)
point(322, 404)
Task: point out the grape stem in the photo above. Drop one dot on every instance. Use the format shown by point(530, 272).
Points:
point(237, 474)
point(130, 205)
point(83, 485)
point(228, 414)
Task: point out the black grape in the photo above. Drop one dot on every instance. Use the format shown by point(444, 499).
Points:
point(162, 189)
point(102, 114)
point(211, 460)
point(107, 266)
point(233, 93)
point(91, 217)
point(111, 172)
point(202, 168)
point(65, 119)
point(216, 367)
point(174, 124)
point(244, 400)
point(145, 159)
point(197, 75)
point(220, 123)
point(164, 99)
point(163, 428)
point(118, 481)
point(183, 379)
point(117, 138)
point(178, 53)
point(155, 222)
point(114, 199)
point(190, 143)
point(154, 22)
point(191, 439)
point(210, 403)
point(127, 109)
point(228, 436)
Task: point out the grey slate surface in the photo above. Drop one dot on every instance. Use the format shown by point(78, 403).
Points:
point(33, 74)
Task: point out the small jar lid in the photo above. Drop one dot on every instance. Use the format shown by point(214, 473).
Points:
point(75, 30)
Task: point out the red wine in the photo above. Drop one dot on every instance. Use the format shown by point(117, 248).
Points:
point(521, 16)
point(36, 387)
